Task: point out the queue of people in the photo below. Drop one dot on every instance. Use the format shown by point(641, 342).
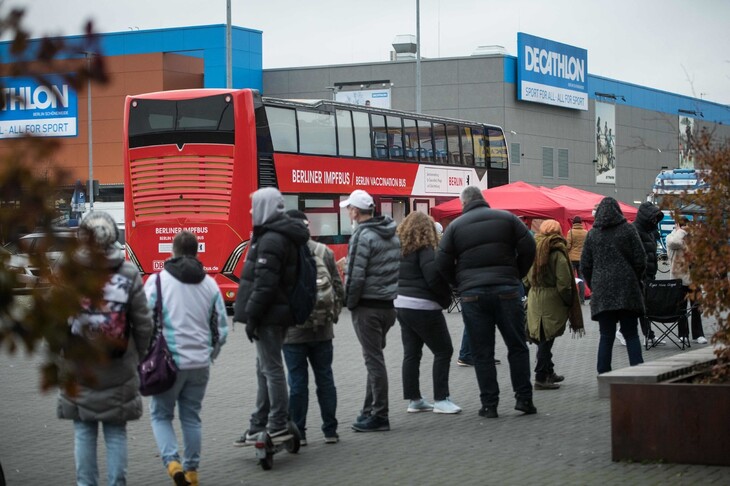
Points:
point(507, 280)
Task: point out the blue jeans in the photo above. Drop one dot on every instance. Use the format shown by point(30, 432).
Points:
point(272, 397)
point(188, 393)
point(319, 355)
point(465, 350)
point(115, 439)
point(487, 308)
point(629, 323)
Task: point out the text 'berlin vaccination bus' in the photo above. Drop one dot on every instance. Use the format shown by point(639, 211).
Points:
point(193, 157)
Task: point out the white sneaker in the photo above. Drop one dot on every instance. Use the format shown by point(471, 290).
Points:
point(701, 340)
point(420, 405)
point(620, 338)
point(445, 406)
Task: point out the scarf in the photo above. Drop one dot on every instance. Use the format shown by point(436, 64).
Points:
point(545, 245)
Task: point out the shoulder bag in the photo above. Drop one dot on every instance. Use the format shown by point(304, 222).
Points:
point(157, 371)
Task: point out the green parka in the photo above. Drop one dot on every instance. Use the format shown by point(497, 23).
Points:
point(549, 300)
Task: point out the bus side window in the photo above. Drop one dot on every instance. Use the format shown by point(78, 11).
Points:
point(379, 135)
point(439, 143)
point(425, 152)
point(480, 155)
point(410, 138)
point(467, 146)
point(361, 124)
point(454, 152)
point(395, 137)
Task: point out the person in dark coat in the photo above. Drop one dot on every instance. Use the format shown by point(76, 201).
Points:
point(422, 294)
point(262, 304)
point(486, 253)
point(647, 225)
point(613, 264)
point(110, 396)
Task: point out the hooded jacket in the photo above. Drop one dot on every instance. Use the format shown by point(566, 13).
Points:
point(549, 300)
point(113, 395)
point(646, 224)
point(270, 269)
point(484, 247)
point(373, 262)
point(677, 248)
point(194, 317)
point(613, 262)
point(576, 237)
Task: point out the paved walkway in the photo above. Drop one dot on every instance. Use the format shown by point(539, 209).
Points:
point(567, 442)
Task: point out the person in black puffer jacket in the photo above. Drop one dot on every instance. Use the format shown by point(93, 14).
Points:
point(422, 294)
point(263, 305)
point(613, 263)
point(487, 252)
point(647, 225)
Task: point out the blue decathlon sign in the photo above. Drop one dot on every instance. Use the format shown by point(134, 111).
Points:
point(551, 73)
point(32, 108)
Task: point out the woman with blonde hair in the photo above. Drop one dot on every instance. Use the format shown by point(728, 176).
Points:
point(422, 294)
point(552, 294)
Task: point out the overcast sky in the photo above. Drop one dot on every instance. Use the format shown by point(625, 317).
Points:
point(677, 46)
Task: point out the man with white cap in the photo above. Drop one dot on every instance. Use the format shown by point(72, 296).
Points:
point(373, 263)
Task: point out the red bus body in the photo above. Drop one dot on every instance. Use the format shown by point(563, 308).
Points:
point(179, 181)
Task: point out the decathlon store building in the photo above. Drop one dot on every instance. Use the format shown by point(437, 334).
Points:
point(563, 125)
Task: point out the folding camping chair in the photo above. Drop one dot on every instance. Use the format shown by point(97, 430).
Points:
point(455, 304)
point(666, 309)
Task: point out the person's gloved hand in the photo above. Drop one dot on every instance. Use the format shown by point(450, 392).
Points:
point(251, 330)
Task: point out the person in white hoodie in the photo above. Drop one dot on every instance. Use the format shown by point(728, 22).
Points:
point(194, 322)
point(679, 268)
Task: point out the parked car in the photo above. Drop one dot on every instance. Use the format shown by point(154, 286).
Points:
point(16, 254)
point(20, 266)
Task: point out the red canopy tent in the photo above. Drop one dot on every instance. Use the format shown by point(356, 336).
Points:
point(590, 199)
point(562, 203)
point(519, 198)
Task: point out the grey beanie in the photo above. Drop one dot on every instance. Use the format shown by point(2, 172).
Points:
point(100, 228)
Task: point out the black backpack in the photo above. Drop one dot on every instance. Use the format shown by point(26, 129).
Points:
point(303, 295)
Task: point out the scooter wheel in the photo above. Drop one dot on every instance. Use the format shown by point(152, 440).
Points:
point(294, 444)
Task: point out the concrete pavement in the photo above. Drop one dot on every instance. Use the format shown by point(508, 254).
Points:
point(567, 442)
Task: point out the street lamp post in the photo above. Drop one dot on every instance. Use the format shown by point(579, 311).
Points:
point(91, 150)
point(418, 56)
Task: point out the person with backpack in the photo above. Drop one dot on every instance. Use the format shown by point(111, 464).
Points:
point(422, 294)
point(195, 326)
point(311, 344)
point(264, 304)
point(108, 391)
point(371, 286)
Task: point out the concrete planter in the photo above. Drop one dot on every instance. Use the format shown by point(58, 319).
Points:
point(671, 422)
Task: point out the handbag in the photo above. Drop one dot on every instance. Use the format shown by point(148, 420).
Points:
point(157, 370)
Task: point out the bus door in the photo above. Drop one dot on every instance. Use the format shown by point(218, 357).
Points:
point(396, 208)
point(422, 205)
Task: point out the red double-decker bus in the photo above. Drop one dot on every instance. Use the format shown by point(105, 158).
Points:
point(193, 157)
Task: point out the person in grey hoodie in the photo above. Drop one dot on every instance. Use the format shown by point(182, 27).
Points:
point(371, 286)
point(195, 326)
point(262, 304)
point(109, 396)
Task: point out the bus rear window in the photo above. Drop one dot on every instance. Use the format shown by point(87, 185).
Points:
point(200, 120)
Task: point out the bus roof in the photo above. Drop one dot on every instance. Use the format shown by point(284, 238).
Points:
point(329, 106)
